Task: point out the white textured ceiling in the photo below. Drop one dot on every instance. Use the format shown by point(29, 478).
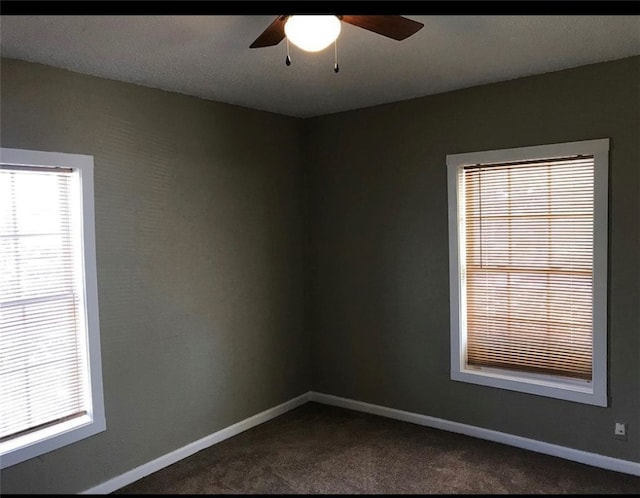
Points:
point(209, 56)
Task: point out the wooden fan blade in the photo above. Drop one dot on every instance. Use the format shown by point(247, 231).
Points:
point(273, 35)
point(396, 27)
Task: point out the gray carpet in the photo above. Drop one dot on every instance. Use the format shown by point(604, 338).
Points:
point(322, 449)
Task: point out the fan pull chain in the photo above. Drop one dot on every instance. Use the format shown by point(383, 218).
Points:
point(287, 61)
point(336, 68)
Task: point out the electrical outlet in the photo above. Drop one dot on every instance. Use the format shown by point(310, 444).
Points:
point(620, 431)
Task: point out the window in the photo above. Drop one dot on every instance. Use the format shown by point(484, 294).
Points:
point(528, 269)
point(50, 368)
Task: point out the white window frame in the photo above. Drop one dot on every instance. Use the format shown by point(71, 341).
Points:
point(51, 438)
point(592, 392)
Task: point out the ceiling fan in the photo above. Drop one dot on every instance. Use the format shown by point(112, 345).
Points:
point(315, 33)
point(396, 27)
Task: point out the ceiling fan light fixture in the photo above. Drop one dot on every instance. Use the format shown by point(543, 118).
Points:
point(312, 33)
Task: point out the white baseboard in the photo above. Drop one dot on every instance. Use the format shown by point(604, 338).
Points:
point(580, 456)
point(191, 448)
point(585, 457)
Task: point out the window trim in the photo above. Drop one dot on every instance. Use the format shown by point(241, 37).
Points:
point(593, 392)
point(51, 438)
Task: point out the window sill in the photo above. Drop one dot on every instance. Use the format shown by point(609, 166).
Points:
point(51, 438)
point(541, 385)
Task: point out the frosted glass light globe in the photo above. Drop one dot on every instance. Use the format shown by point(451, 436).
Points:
point(312, 33)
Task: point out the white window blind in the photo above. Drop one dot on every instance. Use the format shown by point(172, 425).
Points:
point(528, 265)
point(43, 365)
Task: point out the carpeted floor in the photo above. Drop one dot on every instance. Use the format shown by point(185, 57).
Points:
point(322, 449)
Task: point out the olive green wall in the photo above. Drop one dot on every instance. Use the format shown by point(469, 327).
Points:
point(378, 248)
point(200, 262)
